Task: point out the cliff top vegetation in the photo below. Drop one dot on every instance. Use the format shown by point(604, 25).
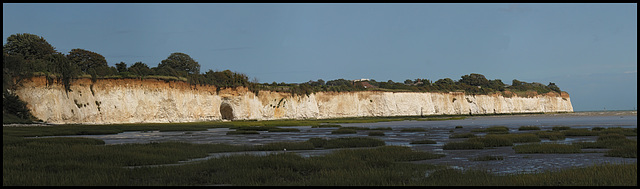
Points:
point(27, 55)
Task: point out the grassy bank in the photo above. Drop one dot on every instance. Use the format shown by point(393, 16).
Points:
point(81, 161)
point(84, 161)
point(615, 139)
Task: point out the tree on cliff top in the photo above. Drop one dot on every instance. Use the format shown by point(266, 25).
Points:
point(22, 55)
point(140, 69)
point(29, 46)
point(474, 79)
point(181, 63)
point(89, 62)
point(121, 67)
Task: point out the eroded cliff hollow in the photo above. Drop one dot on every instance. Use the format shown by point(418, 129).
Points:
point(136, 101)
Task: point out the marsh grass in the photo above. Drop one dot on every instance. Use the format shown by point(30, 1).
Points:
point(462, 135)
point(580, 132)
point(618, 130)
point(493, 130)
point(618, 144)
point(490, 140)
point(605, 141)
point(560, 128)
point(344, 131)
point(376, 133)
point(88, 162)
point(277, 146)
point(626, 150)
point(596, 131)
point(84, 161)
point(376, 166)
point(528, 128)
point(595, 175)
point(551, 135)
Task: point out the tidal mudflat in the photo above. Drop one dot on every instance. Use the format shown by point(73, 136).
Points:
point(404, 133)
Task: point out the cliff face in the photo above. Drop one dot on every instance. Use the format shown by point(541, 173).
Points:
point(135, 101)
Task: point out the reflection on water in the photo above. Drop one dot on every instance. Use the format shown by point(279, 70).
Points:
point(434, 130)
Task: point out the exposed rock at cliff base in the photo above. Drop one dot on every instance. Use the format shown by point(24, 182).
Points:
point(150, 100)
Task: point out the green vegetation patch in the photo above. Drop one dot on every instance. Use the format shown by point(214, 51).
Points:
point(80, 161)
point(528, 128)
point(376, 133)
point(462, 135)
point(618, 144)
point(493, 130)
point(388, 153)
point(580, 132)
point(560, 128)
point(277, 146)
point(344, 131)
point(10, 118)
point(619, 130)
point(595, 175)
point(492, 141)
point(626, 150)
point(551, 135)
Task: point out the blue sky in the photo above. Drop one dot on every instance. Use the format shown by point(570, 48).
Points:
point(588, 50)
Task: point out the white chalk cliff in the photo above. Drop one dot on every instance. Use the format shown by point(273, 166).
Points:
point(150, 100)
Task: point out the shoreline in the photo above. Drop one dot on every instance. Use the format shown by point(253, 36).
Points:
point(579, 113)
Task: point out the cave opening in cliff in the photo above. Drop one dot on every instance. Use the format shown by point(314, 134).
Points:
point(226, 111)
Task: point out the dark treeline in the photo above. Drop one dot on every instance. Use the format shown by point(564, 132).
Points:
point(27, 55)
point(469, 84)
